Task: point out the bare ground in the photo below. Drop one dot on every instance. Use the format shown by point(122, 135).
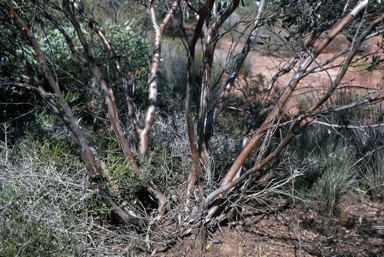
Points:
point(270, 230)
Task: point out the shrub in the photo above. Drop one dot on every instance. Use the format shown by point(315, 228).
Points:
point(335, 181)
point(372, 179)
point(42, 208)
point(47, 207)
point(320, 153)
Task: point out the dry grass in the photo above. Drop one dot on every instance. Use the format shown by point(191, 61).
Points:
point(47, 210)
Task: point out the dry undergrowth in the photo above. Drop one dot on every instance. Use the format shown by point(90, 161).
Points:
point(292, 231)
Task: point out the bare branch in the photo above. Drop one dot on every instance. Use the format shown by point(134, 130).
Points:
point(108, 92)
point(348, 126)
point(69, 118)
point(152, 77)
point(287, 93)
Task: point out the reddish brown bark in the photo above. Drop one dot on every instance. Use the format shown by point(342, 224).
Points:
point(274, 114)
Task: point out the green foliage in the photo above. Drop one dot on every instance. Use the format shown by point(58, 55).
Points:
point(33, 210)
point(54, 45)
point(25, 236)
point(46, 207)
point(51, 142)
point(371, 162)
point(227, 123)
point(117, 167)
point(372, 179)
point(71, 96)
point(123, 176)
point(329, 169)
point(337, 160)
point(129, 44)
point(127, 37)
point(335, 181)
point(52, 193)
point(160, 167)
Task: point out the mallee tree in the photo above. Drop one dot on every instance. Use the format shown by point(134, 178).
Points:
point(299, 32)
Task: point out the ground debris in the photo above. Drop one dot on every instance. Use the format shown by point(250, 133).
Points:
point(357, 230)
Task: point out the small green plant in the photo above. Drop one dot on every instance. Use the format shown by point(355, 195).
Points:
point(29, 236)
point(330, 169)
point(160, 167)
point(335, 181)
point(372, 178)
point(122, 175)
point(51, 144)
point(32, 215)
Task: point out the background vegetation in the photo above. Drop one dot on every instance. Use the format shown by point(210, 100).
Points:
point(50, 206)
